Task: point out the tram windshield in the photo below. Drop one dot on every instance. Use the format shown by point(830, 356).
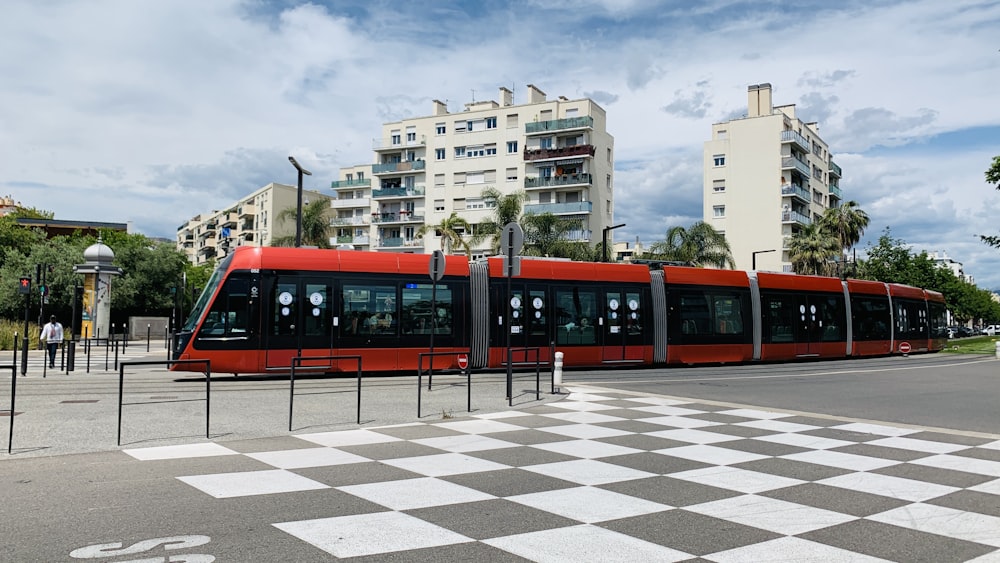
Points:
point(210, 288)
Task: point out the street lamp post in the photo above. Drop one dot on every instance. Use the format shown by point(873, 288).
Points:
point(604, 240)
point(298, 208)
point(754, 257)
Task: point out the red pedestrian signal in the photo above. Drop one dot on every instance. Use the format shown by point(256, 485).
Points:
point(25, 287)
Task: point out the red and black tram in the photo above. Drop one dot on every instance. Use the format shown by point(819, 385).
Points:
point(265, 306)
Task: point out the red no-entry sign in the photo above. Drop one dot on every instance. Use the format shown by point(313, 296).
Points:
point(463, 361)
point(904, 347)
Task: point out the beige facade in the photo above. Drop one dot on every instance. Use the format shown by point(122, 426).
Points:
point(766, 175)
point(251, 221)
point(558, 152)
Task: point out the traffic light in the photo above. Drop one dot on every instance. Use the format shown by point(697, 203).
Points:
point(25, 286)
point(45, 290)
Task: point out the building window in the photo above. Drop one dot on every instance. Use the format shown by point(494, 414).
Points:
point(491, 150)
point(440, 129)
point(411, 137)
point(609, 155)
point(511, 147)
point(718, 210)
point(512, 174)
point(572, 112)
point(439, 180)
point(721, 134)
point(439, 205)
point(491, 123)
point(718, 186)
point(545, 143)
point(459, 152)
point(719, 159)
point(512, 121)
point(475, 178)
point(396, 138)
point(439, 154)
point(475, 151)
point(460, 126)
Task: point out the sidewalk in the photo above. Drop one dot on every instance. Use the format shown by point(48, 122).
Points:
point(60, 413)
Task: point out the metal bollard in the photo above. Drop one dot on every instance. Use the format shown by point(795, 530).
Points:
point(997, 344)
point(557, 369)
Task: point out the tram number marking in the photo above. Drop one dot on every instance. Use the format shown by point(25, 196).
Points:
point(102, 550)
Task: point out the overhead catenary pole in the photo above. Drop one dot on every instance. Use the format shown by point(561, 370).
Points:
point(298, 205)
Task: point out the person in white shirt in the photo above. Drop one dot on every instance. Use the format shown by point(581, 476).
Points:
point(52, 336)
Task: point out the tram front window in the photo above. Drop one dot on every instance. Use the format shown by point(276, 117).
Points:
point(210, 288)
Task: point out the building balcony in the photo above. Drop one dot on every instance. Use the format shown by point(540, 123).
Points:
point(356, 221)
point(398, 217)
point(795, 190)
point(361, 240)
point(795, 138)
point(579, 235)
point(561, 152)
point(399, 242)
point(835, 170)
point(792, 163)
point(575, 208)
point(398, 167)
point(350, 203)
point(351, 184)
point(400, 192)
point(247, 210)
point(835, 191)
point(390, 144)
point(557, 181)
point(794, 217)
point(582, 122)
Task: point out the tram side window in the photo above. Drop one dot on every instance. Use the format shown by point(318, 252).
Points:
point(576, 311)
point(416, 313)
point(229, 313)
point(368, 309)
point(870, 318)
point(831, 311)
point(728, 315)
point(939, 320)
point(781, 313)
point(703, 316)
point(317, 320)
point(911, 320)
point(538, 323)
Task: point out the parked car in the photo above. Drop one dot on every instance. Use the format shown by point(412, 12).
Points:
point(991, 330)
point(959, 331)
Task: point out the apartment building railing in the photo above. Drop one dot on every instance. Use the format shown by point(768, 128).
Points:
point(560, 152)
point(581, 122)
point(561, 180)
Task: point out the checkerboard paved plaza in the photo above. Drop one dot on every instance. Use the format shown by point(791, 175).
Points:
point(620, 477)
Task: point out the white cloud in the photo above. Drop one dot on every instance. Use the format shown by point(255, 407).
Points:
point(152, 112)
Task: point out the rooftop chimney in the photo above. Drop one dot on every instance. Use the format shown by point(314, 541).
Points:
point(440, 108)
point(759, 100)
point(535, 95)
point(506, 97)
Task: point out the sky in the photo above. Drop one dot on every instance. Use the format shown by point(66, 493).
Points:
point(152, 112)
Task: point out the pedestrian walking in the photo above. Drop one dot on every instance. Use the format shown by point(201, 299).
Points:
point(52, 336)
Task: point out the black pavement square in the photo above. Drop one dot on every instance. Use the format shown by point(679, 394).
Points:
point(273, 444)
point(980, 453)
point(521, 456)
point(742, 431)
point(470, 551)
point(643, 442)
point(535, 420)
point(416, 431)
point(509, 482)
point(720, 417)
point(839, 434)
point(655, 463)
point(631, 413)
point(706, 407)
point(670, 491)
point(390, 450)
point(837, 499)
point(636, 426)
point(689, 532)
point(881, 452)
point(949, 477)
point(950, 438)
point(761, 447)
point(491, 518)
point(970, 501)
point(812, 420)
point(530, 437)
point(356, 474)
point(896, 543)
point(792, 469)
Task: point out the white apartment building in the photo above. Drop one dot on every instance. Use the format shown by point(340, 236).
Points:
point(557, 151)
point(253, 220)
point(766, 175)
point(943, 260)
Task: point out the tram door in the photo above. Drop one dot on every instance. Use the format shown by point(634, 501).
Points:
point(530, 320)
point(622, 326)
point(810, 330)
point(300, 318)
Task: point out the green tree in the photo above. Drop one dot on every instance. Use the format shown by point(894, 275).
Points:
point(451, 230)
point(546, 235)
point(993, 178)
point(811, 248)
point(506, 209)
point(315, 224)
point(698, 245)
point(846, 222)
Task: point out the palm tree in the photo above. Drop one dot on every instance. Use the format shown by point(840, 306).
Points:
point(451, 231)
point(699, 245)
point(545, 235)
point(811, 249)
point(315, 224)
point(846, 223)
point(506, 209)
